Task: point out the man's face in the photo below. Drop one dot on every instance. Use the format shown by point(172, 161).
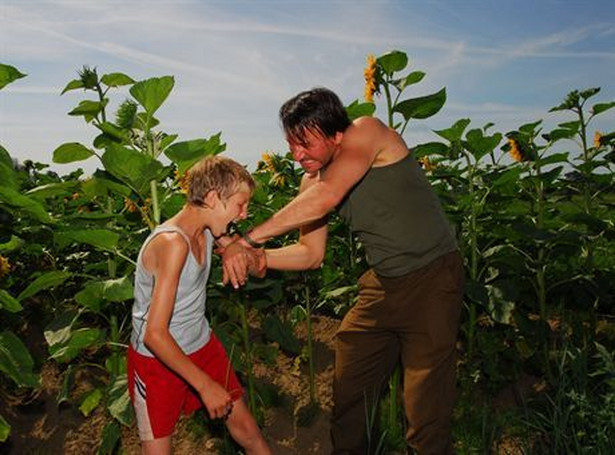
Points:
point(314, 152)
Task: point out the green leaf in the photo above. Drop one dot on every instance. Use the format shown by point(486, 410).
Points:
point(91, 296)
point(430, 148)
point(356, 110)
point(73, 85)
point(559, 133)
point(112, 131)
point(479, 145)
point(602, 107)
point(116, 79)
point(58, 331)
point(99, 238)
point(132, 167)
point(509, 176)
point(79, 340)
point(412, 78)
point(45, 281)
point(118, 290)
point(110, 437)
point(553, 158)
point(15, 360)
point(91, 401)
point(119, 401)
point(186, 154)
point(151, 93)
point(421, 107)
point(276, 330)
point(99, 185)
point(172, 204)
point(67, 385)
point(8, 176)
point(5, 429)
point(455, 132)
point(13, 244)
point(89, 109)
point(71, 152)
point(392, 61)
point(14, 199)
point(5, 157)
point(54, 189)
point(500, 307)
point(9, 74)
point(8, 302)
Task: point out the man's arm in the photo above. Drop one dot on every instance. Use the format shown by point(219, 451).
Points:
point(307, 253)
point(343, 172)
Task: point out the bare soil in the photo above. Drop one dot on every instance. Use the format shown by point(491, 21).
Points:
point(41, 426)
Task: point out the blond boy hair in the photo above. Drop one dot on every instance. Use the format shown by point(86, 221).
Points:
point(216, 173)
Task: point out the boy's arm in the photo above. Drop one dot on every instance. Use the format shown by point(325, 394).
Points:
point(169, 252)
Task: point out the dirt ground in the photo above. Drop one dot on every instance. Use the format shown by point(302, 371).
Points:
point(40, 426)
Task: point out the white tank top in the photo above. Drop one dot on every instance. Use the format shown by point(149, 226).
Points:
point(188, 325)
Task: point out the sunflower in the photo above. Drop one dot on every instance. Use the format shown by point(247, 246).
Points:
point(426, 164)
point(5, 266)
point(129, 205)
point(597, 139)
point(515, 150)
point(370, 78)
point(268, 162)
point(183, 181)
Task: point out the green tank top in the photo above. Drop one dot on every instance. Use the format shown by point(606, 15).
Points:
point(398, 218)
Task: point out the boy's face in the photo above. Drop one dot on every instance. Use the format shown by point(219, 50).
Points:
point(231, 209)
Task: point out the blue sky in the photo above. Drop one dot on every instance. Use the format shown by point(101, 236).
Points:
point(236, 62)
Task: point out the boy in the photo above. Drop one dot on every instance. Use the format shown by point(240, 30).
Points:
point(175, 362)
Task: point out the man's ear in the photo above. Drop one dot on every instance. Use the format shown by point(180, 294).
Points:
point(337, 139)
point(212, 198)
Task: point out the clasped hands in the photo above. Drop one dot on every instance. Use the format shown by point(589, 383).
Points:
point(240, 260)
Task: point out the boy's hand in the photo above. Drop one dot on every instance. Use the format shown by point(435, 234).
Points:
point(216, 399)
point(235, 264)
point(257, 262)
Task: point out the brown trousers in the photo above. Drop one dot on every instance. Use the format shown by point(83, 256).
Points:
point(414, 318)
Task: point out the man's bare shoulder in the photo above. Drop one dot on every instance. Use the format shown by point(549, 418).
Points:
point(368, 122)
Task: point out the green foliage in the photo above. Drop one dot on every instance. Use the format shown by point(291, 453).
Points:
point(9, 74)
point(534, 221)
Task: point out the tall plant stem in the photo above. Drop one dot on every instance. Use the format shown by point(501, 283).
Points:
point(310, 348)
point(394, 383)
point(155, 206)
point(473, 256)
point(587, 173)
point(245, 335)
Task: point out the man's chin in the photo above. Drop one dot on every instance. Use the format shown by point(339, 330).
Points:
point(312, 168)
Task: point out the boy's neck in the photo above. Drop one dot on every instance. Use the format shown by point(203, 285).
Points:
point(191, 219)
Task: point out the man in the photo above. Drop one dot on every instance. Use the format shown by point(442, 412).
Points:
point(409, 300)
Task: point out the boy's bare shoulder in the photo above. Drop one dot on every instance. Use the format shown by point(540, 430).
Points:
point(167, 245)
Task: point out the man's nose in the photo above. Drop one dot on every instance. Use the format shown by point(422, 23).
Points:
point(298, 153)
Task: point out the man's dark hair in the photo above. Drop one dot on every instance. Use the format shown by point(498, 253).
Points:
point(318, 110)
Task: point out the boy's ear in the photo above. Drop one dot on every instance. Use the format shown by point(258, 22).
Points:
point(212, 198)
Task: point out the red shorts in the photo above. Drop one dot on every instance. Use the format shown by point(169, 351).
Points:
point(159, 395)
